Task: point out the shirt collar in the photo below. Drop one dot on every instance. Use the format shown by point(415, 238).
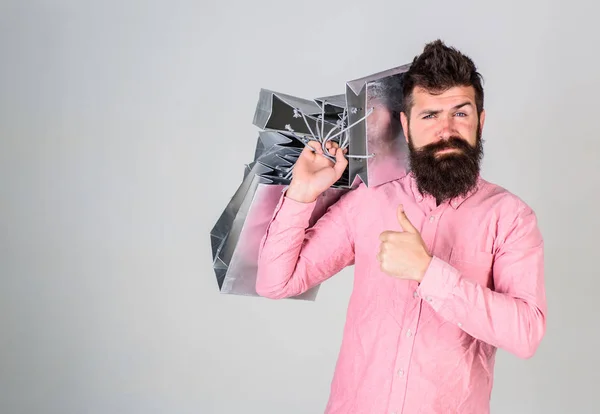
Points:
point(454, 202)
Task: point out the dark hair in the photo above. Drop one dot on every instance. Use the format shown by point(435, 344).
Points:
point(438, 69)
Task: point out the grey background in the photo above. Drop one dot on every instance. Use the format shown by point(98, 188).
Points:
point(124, 128)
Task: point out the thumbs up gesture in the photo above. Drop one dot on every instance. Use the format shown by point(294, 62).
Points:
point(403, 254)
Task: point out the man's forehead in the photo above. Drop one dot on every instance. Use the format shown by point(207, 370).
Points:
point(456, 94)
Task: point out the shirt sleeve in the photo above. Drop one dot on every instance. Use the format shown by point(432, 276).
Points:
point(513, 315)
point(294, 257)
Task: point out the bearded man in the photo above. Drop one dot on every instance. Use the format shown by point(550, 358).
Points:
point(448, 266)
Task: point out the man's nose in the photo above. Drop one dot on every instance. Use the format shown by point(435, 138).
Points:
point(446, 127)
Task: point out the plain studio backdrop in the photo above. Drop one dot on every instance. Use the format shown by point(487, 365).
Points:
point(125, 127)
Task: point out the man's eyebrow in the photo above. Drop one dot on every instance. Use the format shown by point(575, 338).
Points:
point(430, 112)
point(467, 103)
point(437, 111)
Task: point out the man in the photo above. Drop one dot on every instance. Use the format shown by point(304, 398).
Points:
point(448, 266)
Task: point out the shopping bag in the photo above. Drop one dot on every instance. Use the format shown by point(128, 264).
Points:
point(237, 234)
point(378, 144)
point(364, 119)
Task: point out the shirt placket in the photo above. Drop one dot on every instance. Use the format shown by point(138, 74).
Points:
point(410, 324)
point(408, 331)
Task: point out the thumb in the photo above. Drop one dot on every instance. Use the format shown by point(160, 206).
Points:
point(404, 221)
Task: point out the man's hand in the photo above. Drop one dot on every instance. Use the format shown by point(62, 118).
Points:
point(403, 254)
point(313, 173)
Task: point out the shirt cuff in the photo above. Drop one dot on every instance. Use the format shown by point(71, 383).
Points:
point(438, 283)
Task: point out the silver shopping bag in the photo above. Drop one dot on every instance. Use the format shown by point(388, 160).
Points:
point(365, 120)
point(237, 235)
point(280, 112)
point(378, 143)
point(278, 152)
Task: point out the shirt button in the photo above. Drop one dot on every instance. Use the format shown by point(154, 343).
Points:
point(409, 333)
point(400, 372)
point(428, 299)
point(460, 325)
point(415, 294)
point(432, 219)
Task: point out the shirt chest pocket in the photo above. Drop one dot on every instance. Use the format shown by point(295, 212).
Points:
point(474, 265)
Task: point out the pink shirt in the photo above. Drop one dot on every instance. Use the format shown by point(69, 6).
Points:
point(417, 348)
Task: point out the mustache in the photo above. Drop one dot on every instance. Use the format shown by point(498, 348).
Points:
point(454, 142)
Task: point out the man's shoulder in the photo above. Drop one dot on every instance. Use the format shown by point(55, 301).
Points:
point(362, 196)
point(362, 189)
point(504, 199)
point(514, 217)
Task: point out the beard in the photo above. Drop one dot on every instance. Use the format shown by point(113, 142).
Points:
point(449, 175)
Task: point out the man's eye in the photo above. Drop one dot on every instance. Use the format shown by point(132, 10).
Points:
point(430, 116)
point(461, 114)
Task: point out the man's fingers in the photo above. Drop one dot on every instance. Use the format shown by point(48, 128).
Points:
point(340, 162)
point(405, 222)
point(309, 152)
point(329, 148)
point(390, 236)
point(316, 146)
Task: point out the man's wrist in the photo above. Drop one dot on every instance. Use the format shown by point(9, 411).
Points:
point(423, 270)
point(300, 194)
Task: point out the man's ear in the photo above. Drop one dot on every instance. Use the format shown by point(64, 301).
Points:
point(404, 122)
point(481, 120)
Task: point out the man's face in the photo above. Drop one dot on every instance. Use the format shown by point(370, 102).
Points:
point(444, 137)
